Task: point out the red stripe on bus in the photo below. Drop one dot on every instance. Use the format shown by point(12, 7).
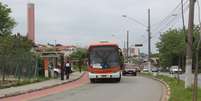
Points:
point(110, 70)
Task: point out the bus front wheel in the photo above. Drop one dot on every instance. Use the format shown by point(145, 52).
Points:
point(118, 79)
point(92, 80)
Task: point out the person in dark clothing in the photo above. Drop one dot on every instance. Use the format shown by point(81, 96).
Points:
point(80, 65)
point(67, 69)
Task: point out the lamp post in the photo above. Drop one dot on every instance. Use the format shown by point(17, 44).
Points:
point(149, 33)
point(134, 20)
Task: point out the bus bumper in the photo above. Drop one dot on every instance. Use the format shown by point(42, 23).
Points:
point(111, 75)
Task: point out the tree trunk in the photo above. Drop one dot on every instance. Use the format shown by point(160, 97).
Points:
point(3, 74)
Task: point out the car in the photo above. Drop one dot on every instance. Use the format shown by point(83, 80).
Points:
point(130, 69)
point(175, 69)
point(154, 69)
point(145, 69)
point(57, 72)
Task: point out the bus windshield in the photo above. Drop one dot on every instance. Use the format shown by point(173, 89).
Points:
point(104, 57)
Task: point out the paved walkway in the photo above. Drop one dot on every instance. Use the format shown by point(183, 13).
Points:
point(37, 86)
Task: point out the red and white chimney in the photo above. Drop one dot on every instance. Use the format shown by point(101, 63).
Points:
point(31, 22)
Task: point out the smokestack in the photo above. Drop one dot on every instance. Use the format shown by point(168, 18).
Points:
point(31, 22)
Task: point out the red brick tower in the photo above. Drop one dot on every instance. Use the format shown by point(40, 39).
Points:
point(31, 22)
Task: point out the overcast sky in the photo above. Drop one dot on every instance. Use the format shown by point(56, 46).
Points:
point(81, 22)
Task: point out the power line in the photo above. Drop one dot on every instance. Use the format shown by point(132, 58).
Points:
point(134, 20)
point(170, 14)
point(172, 20)
point(166, 22)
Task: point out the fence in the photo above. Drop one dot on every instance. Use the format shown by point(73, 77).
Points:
point(18, 67)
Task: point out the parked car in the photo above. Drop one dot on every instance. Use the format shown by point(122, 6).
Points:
point(154, 69)
point(57, 72)
point(145, 69)
point(175, 69)
point(130, 69)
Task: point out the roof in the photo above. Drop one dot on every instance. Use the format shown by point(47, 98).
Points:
point(42, 48)
point(103, 44)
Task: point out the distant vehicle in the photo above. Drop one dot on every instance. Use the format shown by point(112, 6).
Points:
point(57, 72)
point(175, 69)
point(105, 61)
point(154, 69)
point(130, 69)
point(145, 69)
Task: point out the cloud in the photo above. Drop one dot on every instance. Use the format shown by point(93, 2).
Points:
point(86, 21)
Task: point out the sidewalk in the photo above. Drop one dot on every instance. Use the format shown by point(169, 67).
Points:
point(37, 86)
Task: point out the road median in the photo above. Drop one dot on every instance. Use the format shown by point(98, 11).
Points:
point(175, 90)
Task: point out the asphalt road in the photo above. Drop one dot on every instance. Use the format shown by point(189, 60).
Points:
point(129, 89)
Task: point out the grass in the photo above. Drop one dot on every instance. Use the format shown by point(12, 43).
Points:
point(178, 92)
point(15, 83)
point(83, 68)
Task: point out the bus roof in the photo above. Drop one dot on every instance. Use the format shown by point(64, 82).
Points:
point(103, 44)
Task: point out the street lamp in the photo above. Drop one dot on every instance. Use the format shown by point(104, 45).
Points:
point(124, 16)
point(134, 20)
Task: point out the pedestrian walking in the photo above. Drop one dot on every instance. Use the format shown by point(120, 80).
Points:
point(67, 69)
point(80, 65)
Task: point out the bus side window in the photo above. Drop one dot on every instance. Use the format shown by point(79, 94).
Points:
point(121, 58)
point(88, 58)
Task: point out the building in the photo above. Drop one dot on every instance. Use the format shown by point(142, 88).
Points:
point(131, 52)
point(124, 51)
point(31, 22)
point(134, 52)
point(65, 49)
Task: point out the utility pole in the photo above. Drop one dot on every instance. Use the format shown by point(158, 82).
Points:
point(124, 44)
point(149, 40)
point(149, 35)
point(188, 74)
point(127, 50)
point(182, 12)
point(184, 32)
point(181, 59)
point(195, 84)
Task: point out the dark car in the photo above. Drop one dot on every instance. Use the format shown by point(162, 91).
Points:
point(130, 69)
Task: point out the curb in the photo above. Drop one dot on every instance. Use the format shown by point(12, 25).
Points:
point(167, 92)
point(47, 87)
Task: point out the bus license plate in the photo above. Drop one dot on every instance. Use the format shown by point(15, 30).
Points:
point(103, 76)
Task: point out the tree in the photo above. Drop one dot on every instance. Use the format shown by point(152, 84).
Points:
point(14, 49)
point(171, 47)
point(7, 23)
point(79, 54)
